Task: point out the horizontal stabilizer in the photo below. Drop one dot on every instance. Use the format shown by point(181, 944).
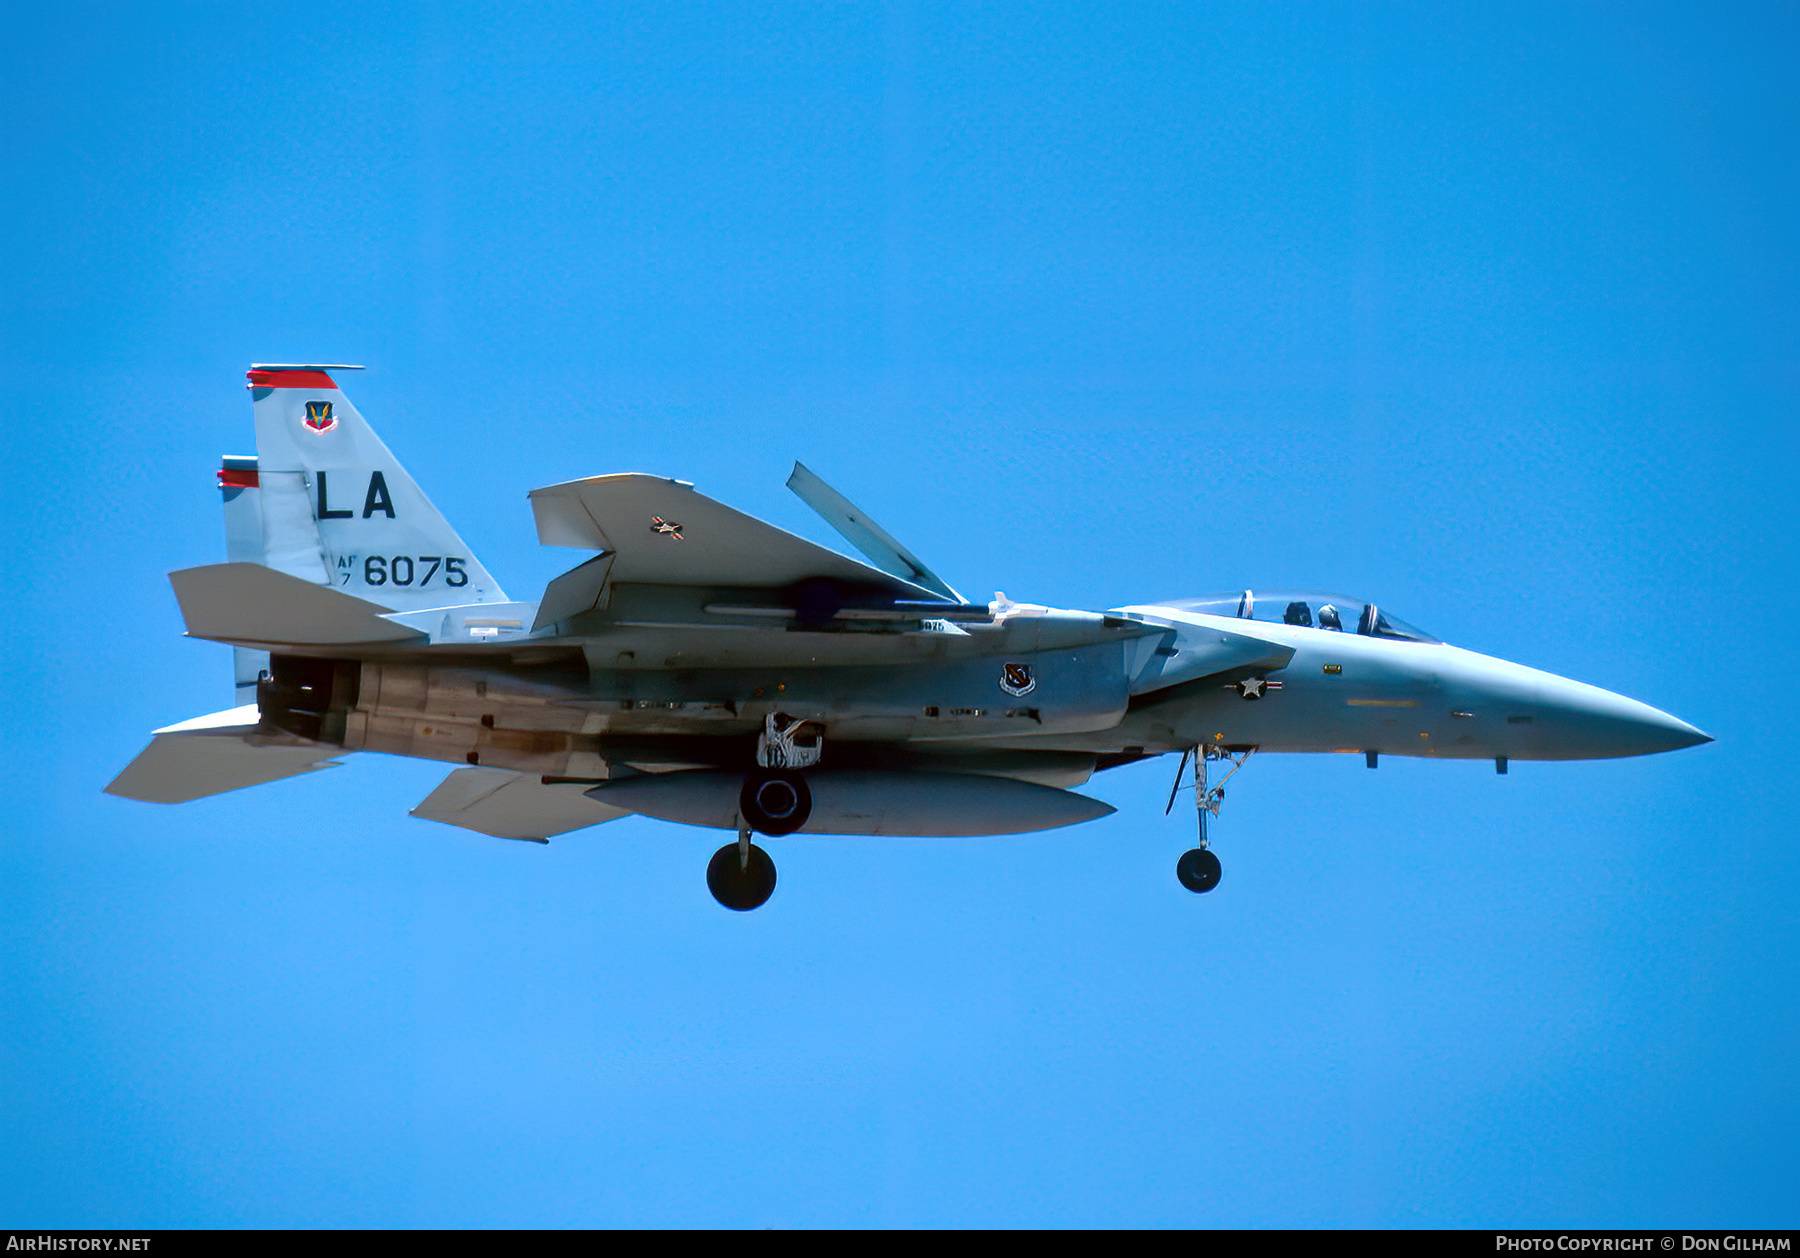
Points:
point(213, 754)
point(511, 805)
point(882, 548)
point(248, 603)
point(661, 532)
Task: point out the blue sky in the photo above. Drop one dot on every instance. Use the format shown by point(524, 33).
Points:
point(1488, 315)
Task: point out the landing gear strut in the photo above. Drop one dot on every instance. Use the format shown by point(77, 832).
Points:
point(741, 876)
point(1198, 869)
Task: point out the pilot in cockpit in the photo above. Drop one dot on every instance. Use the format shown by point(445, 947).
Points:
point(1328, 618)
point(1298, 613)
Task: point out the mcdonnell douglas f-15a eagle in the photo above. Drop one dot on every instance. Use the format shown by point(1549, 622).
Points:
point(703, 667)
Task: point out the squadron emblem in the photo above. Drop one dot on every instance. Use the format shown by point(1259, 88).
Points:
point(318, 417)
point(1017, 679)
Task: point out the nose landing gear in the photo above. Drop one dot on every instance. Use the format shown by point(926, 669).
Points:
point(1198, 869)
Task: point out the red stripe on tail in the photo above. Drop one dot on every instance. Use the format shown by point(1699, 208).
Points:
point(289, 380)
point(237, 478)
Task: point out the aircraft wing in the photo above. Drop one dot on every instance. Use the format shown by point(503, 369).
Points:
point(512, 805)
point(213, 754)
point(662, 532)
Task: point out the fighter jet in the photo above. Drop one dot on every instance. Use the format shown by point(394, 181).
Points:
point(703, 667)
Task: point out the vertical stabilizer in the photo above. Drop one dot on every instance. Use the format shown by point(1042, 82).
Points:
point(338, 509)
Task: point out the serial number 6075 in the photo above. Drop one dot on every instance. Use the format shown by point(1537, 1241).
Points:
point(413, 570)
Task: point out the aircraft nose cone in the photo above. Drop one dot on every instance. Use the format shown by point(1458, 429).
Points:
point(1600, 723)
point(1683, 734)
point(1658, 731)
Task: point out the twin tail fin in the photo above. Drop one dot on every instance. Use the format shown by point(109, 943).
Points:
point(326, 501)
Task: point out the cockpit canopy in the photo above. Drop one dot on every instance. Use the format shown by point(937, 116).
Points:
point(1306, 610)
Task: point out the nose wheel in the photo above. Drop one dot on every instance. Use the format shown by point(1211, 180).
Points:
point(1198, 869)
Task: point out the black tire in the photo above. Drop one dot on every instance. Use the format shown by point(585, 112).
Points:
point(738, 886)
point(1199, 870)
point(775, 801)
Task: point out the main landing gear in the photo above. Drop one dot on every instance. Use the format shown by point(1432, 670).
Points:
point(1198, 869)
point(775, 801)
point(741, 876)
